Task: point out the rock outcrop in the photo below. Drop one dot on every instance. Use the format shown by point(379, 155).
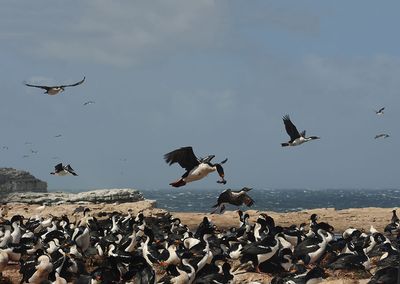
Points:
point(12, 180)
point(94, 196)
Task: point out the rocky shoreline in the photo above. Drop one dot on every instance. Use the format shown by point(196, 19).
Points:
point(94, 196)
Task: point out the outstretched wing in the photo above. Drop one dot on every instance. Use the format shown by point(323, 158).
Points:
point(381, 109)
point(76, 84)
point(247, 200)
point(183, 156)
point(290, 128)
point(70, 170)
point(58, 167)
point(38, 86)
point(224, 196)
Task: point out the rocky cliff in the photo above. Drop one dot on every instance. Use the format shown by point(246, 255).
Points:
point(95, 196)
point(12, 180)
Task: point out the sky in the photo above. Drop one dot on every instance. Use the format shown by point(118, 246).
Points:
point(214, 75)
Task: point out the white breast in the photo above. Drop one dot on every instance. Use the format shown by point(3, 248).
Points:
point(199, 172)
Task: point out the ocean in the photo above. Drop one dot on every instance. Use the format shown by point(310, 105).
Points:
point(282, 200)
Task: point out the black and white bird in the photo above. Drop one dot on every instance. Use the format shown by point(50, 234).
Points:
point(382, 135)
point(394, 218)
point(296, 137)
point(196, 168)
point(54, 90)
point(234, 197)
point(380, 111)
point(60, 170)
point(88, 103)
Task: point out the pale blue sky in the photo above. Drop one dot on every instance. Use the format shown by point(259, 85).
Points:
point(216, 75)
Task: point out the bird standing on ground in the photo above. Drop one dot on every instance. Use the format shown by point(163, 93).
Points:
point(60, 170)
point(234, 197)
point(196, 168)
point(296, 138)
point(54, 90)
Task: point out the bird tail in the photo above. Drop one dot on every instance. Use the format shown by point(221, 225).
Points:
point(285, 144)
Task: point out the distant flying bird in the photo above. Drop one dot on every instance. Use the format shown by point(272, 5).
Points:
point(34, 151)
point(88, 103)
point(196, 168)
point(380, 111)
point(383, 135)
point(296, 138)
point(60, 170)
point(234, 197)
point(58, 135)
point(54, 90)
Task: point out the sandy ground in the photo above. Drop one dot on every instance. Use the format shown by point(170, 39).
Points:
point(361, 218)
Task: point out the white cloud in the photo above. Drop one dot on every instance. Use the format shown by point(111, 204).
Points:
point(360, 76)
point(123, 34)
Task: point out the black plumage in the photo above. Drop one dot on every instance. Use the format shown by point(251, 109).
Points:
point(54, 90)
point(196, 168)
point(233, 197)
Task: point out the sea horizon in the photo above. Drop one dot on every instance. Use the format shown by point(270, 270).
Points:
point(278, 200)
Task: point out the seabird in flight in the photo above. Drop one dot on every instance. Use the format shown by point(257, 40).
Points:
point(88, 103)
point(380, 111)
point(54, 90)
point(296, 138)
point(234, 197)
point(382, 135)
point(196, 168)
point(60, 170)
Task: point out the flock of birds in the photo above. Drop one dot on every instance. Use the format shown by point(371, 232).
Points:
point(196, 168)
point(112, 247)
point(122, 248)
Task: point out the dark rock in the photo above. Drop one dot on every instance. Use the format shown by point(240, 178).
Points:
point(12, 180)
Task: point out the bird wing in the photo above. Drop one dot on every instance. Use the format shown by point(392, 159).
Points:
point(255, 248)
point(183, 156)
point(224, 196)
point(76, 84)
point(38, 86)
point(58, 167)
point(290, 128)
point(381, 109)
point(70, 170)
point(247, 200)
